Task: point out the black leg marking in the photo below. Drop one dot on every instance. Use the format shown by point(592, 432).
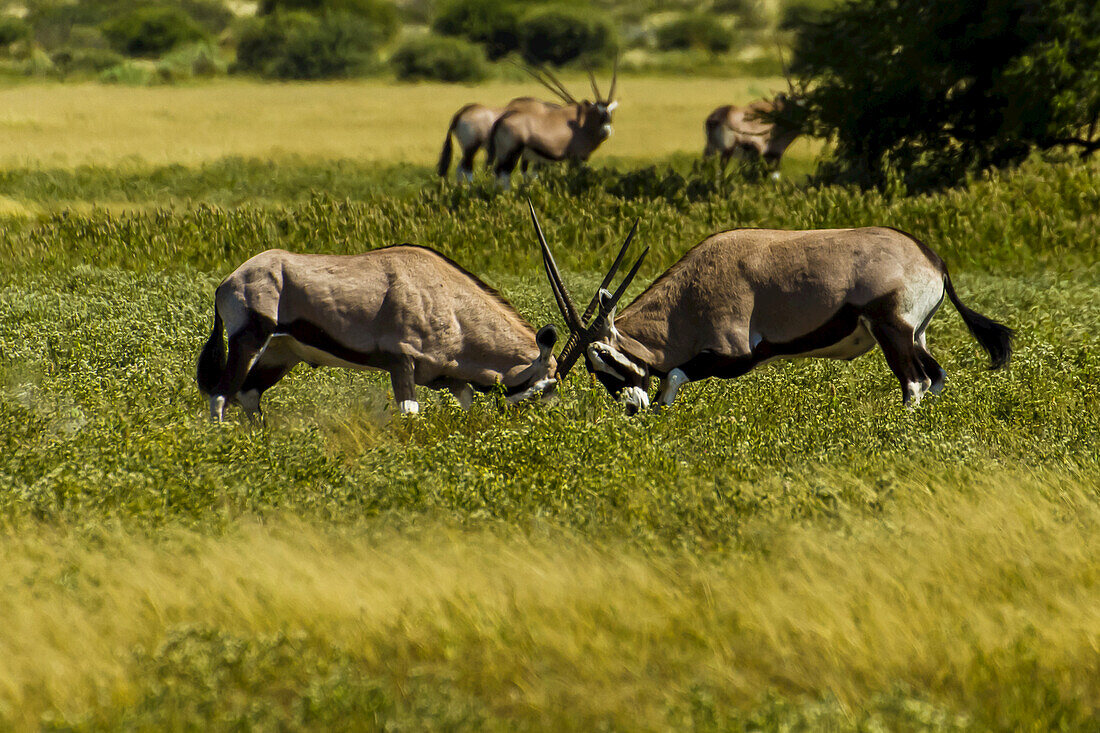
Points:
point(402, 378)
point(244, 347)
point(933, 369)
point(896, 342)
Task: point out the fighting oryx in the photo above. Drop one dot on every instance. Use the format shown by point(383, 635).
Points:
point(758, 130)
point(571, 131)
point(471, 126)
point(745, 297)
point(404, 309)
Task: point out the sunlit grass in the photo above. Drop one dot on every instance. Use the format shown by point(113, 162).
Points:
point(68, 125)
point(940, 594)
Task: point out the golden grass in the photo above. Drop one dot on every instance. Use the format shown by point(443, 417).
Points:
point(56, 125)
point(954, 575)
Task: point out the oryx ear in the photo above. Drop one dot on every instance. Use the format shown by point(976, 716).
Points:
point(635, 349)
point(605, 302)
point(546, 338)
point(611, 107)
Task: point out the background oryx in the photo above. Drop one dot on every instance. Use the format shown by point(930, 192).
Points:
point(471, 126)
point(407, 310)
point(551, 133)
point(744, 297)
point(749, 132)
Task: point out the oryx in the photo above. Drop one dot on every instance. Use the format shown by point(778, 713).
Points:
point(748, 296)
point(751, 132)
point(404, 309)
point(571, 131)
point(471, 126)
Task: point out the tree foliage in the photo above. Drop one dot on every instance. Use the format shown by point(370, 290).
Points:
point(492, 23)
point(933, 90)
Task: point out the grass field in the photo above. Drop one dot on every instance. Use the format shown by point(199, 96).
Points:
point(92, 124)
point(792, 550)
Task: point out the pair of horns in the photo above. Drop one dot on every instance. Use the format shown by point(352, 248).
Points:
point(603, 303)
point(543, 76)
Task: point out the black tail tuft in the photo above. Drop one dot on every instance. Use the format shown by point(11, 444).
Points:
point(212, 359)
point(445, 156)
point(995, 338)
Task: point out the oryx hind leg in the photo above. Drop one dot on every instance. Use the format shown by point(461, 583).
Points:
point(465, 172)
point(896, 339)
point(263, 375)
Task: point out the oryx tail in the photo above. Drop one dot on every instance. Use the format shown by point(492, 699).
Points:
point(212, 359)
point(995, 338)
point(444, 163)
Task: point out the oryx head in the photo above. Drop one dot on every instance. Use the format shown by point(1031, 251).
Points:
point(537, 379)
point(594, 116)
point(620, 362)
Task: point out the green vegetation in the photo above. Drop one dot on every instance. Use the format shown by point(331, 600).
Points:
point(441, 59)
point(969, 87)
point(792, 548)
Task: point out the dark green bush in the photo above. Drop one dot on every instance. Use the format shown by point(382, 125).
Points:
point(12, 29)
point(694, 31)
point(969, 87)
point(441, 59)
point(299, 45)
point(85, 60)
point(799, 12)
point(492, 23)
point(560, 34)
point(151, 31)
point(379, 14)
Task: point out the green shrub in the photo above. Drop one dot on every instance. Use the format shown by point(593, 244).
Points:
point(196, 59)
point(12, 29)
point(85, 60)
point(441, 59)
point(299, 45)
point(492, 23)
point(151, 31)
point(381, 15)
point(798, 12)
point(694, 30)
point(560, 34)
point(750, 13)
point(972, 86)
point(131, 73)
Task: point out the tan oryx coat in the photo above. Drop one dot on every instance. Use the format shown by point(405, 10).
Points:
point(471, 126)
point(747, 132)
point(406, 310)
point(745, 297)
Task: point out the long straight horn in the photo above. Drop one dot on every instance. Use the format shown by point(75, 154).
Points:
point(564, 92)
point(611, 272)
point(557, 90)
point(607, 307)
point(595, 89)
point(565, 303)
point(614, 80)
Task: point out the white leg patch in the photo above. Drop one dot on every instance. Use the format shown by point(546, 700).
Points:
point(217, 408)
point(409, 407)
point(465, 175)
point(670, 386)
point(504, 180)
point(915, 391)
point(636, 397)
point(775, 175)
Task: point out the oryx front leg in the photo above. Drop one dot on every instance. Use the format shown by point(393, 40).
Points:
point(670, 385)
point(464, 393)
point(402, 378)
point(245, 348)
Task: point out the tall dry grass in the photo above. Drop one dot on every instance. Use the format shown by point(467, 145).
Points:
point(55, 125)
point(958, 591)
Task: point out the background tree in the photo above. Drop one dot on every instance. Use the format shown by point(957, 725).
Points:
point(931, 90)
